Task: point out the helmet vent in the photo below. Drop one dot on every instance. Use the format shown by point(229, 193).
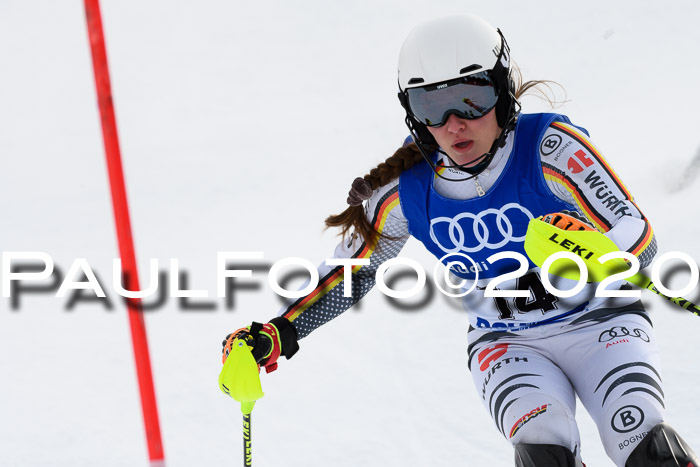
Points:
point(415, 80)
point(469, 68)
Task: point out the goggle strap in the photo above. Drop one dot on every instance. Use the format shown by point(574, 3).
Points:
point(500, 71)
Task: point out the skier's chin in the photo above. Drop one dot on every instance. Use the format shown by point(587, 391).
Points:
point(466, 160)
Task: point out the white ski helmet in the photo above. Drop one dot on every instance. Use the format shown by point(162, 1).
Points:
point(465, 54)
point(454, 47)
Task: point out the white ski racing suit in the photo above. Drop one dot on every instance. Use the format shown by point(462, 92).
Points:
point(529, 358)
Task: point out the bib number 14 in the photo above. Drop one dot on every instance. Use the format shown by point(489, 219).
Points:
point(532, 293)
point(538, 298)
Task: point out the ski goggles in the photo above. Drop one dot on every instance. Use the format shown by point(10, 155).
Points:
point(469, 97)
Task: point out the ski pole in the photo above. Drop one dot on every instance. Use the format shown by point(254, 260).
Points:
point(247, 443)
point(543, 240)
point(240, 379)
point(643, 282)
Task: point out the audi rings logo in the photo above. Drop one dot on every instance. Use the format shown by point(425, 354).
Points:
point(621, 331)
point(469, 233)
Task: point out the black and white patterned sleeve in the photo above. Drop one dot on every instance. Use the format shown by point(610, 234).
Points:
point(328, 300)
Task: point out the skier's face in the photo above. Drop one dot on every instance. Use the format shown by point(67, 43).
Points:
point(465, 141)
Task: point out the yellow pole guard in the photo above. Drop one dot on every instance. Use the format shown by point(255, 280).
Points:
point(240, 376)
point(543, 240)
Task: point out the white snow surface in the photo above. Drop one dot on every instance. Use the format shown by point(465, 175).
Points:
point(242, 125)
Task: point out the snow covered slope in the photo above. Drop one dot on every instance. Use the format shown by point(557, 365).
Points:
point(242, 125)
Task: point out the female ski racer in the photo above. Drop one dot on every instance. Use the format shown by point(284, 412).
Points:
point(472, 174)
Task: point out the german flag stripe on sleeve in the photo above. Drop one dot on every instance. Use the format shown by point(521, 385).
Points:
point(581, 138)
point(335, 276)
point(555, 175)
point(644, 241)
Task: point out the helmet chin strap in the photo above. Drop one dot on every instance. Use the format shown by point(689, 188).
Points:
point(483, 161)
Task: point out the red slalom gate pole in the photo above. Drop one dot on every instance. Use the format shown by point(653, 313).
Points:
point(123, 225)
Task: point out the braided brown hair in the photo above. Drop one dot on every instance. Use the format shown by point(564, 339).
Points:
point(354, 216)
